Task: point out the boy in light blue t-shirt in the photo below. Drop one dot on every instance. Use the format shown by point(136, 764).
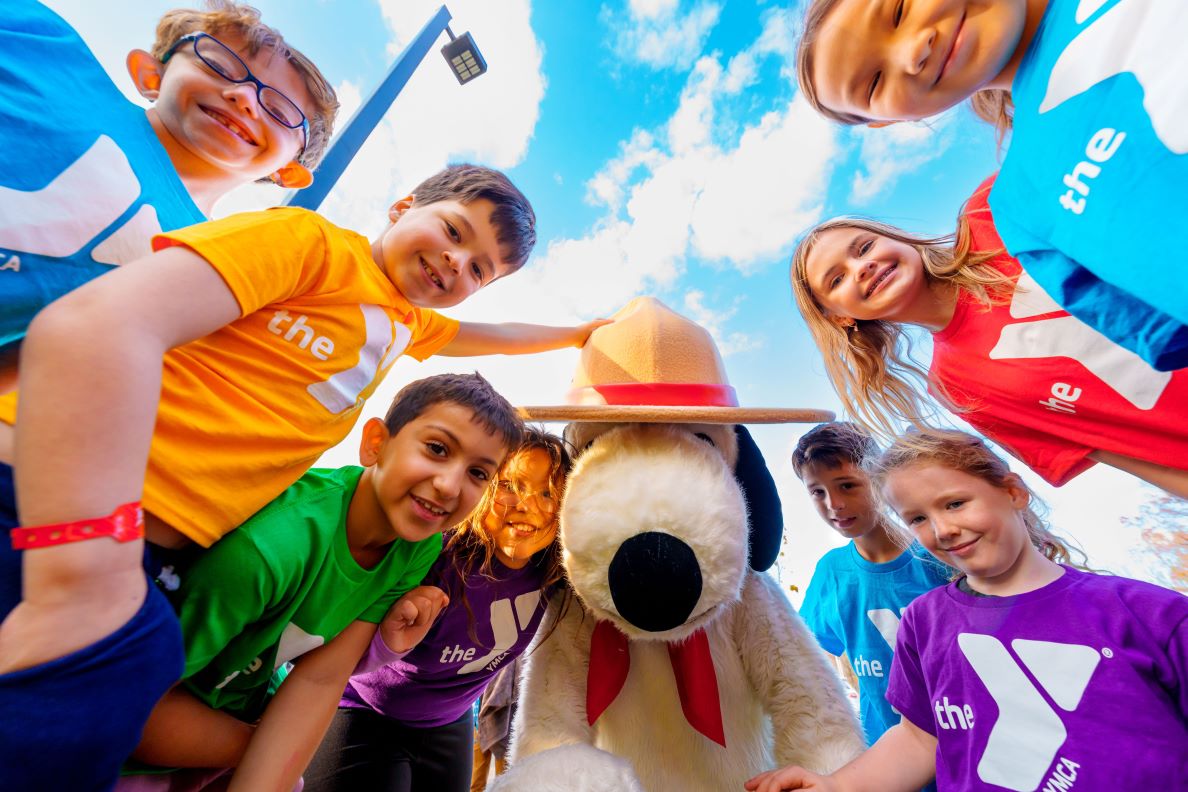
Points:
point(858, 592)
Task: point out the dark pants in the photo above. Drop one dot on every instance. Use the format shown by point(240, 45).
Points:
point(365, 750)
point(70, 723)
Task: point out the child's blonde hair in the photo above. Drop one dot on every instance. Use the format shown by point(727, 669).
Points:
point(869, 362)
point(992, 105)
point(968, 454)
point(228, 16)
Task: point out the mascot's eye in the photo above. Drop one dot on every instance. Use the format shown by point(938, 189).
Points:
point(706, 438)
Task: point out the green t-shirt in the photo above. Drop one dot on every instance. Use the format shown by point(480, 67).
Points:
point(282, 584)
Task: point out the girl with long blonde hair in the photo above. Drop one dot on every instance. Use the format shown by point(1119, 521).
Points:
point(1028, 671)
point(1006, 358)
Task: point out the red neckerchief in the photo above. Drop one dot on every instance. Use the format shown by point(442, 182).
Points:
point(692, 665)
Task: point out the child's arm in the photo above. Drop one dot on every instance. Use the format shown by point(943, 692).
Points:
point(299, 714)
point(513, 338)
point(91, 375)
point(184, 732)
point(1166, 478)
point(403, 627)
point(904, 759)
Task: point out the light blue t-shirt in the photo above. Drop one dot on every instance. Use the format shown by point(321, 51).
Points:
point(1091, 198)
point(84, 181)
point(853, 606)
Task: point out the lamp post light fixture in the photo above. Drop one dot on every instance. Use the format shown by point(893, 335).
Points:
point(464, 57)
point(465, 61)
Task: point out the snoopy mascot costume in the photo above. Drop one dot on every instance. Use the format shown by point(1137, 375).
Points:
point(680, 665)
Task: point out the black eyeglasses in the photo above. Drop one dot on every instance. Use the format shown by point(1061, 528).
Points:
point(220, 59)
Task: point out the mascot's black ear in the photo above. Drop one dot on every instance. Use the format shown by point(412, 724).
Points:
point(763, 501)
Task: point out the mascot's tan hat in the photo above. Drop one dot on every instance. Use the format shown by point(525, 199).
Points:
point(652, 365)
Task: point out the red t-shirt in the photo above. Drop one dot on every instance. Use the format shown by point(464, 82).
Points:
point(1048, 387)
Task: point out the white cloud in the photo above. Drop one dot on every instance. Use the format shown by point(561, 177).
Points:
point(890, 152)
point(435, 121)
point(714, 319)
point(657, 34)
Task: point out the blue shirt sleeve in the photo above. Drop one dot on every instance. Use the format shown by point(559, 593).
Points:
point(819, 609)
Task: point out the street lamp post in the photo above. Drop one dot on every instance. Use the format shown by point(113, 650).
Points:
point(465, 62)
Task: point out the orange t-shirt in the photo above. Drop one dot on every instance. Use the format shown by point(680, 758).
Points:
point(246, 410)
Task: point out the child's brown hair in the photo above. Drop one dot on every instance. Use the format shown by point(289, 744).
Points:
point(226, 16)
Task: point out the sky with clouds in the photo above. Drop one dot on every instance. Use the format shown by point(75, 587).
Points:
point(668, 152)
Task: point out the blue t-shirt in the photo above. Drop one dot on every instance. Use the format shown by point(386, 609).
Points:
point(84, 180)
point(853, 606)
point(1091, 196)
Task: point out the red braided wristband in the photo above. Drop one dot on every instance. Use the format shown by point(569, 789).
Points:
point(125, 524)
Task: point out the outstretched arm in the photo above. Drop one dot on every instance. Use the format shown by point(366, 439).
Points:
point(1172, 480)
point(297, 717)
point(814, 725)
point(904, 759)
point(513, 338)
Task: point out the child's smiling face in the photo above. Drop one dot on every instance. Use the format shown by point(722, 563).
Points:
point(903, 60)
point(858, 274)
point(963, 520)
point(430, 475)
point(221, 123)
point(522, 519)
point(439, 254)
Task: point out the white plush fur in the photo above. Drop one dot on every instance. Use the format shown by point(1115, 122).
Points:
point(781, 703)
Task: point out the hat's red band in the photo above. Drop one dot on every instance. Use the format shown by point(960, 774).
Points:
point(676, 394)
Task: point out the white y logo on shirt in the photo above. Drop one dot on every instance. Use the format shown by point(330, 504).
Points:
point(1028, 732)
point(1066, 336)
point(506, 626)
point(886, 621)
point(1143, 37)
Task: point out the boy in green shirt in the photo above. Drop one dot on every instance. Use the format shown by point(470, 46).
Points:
point(308, 578)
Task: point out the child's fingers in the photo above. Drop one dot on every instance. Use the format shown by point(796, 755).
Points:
point(778, 780)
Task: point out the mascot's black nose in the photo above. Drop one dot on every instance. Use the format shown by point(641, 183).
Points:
point(655, 581)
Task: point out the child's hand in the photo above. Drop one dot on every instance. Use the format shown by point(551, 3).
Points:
point(788, 778)
point(411, 616)
point(581, 333)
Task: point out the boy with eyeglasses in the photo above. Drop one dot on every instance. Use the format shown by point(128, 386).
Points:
point(86, 179)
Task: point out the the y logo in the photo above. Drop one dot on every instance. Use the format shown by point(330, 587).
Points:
point(506, 625)
point(1028, 732)
point(385, 341)
point(1143, 37)
point(1066, 336)
point(886, 621)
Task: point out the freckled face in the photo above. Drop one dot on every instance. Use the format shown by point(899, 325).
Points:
point(439, 254)
point(903, 60)
point(522, 520)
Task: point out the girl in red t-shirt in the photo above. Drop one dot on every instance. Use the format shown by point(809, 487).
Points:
point(1007, 358)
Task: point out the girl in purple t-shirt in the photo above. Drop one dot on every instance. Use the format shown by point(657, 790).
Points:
point(1025, 674)
point(405, 720)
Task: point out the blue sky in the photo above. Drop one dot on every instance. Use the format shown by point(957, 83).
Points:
point(667, 152)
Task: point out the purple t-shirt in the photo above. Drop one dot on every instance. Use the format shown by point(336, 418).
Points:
point(439, 680)
point(1080, 685)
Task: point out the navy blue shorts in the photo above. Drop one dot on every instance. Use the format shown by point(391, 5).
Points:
point(70, 723)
